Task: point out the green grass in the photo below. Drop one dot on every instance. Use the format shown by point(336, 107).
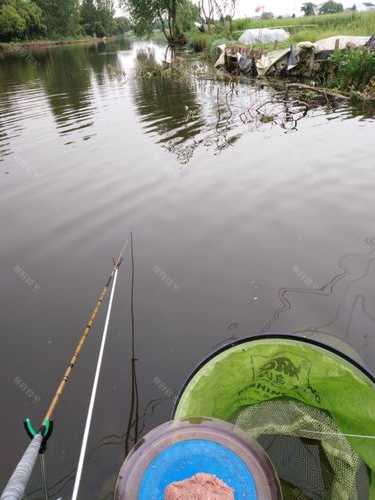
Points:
point(301, 29)
point(347, 23)
point(207, 42)
point(313, 28)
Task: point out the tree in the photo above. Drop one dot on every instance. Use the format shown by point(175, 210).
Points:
point(187, 15)
point(267, 15)
point(97, 17)
point(309, 9)
point(20, 19)
point(121, 25)
point(220, 9)
point(106, 12)
point(88, 16)
point(331, 7)
point(61, 16)
point(145, 14)
point(11, 23)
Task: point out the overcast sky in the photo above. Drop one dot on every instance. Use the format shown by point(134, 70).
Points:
point(246, 8)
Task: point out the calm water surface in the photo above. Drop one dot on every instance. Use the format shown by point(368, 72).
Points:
point(238, 222)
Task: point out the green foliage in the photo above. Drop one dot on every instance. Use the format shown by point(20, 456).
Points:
point(97, 18)
point(331, 7)
point(88, 16)
point(61, 16)
point(26, 19)
point(147, 14)
point(143, 14)
point(200, 42)
point(12, 25)
point(106, 11)
point(121, 25)
point(353, 69)
point(309, 9)
point(20, 19)
point(187, 15)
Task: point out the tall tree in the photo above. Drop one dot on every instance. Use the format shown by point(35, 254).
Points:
point(121, 25)
point(187, 15)
point(146, 13)
point(61, 16)
point(20, 19)
point(331, 7)
point(97, 17)
point(88, 16)
point(106, 12)
point(219, 9)
point(309, 9)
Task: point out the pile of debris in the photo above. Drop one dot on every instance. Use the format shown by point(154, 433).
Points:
point(304, 59)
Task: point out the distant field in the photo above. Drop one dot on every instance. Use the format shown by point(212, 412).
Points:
point(310, 28)
point(313, 28)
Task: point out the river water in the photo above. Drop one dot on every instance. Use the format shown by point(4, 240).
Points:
point(246, 215)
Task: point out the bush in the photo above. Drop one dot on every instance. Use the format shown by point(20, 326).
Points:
point(12, 25)
point(33, 17)
point(354, 69)
point(20, 19)
point(121, 25)
point(99, 29)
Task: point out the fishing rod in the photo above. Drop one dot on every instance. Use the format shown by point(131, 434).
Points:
point(90, 411)
point(16, 486)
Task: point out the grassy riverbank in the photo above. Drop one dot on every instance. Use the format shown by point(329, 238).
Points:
point(25, 46)
point(316, 27)
point(351, 71)
point(311, 28)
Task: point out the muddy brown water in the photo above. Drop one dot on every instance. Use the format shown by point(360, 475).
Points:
point(241, 216)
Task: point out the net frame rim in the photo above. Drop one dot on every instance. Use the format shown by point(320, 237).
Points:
point(267, 336)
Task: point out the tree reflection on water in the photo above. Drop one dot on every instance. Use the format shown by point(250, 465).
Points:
point(182, 103)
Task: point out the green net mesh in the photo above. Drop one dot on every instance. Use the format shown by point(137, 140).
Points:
point(311, 409)
point(302, 463)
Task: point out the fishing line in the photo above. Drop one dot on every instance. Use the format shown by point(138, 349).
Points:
point(43, 474)
point(93, 392)
point(87, 329)
point(360, 436)
point(16, 486)
point(133, 419)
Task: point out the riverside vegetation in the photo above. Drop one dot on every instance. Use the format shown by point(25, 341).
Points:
point(350, 71)
point(27, 20)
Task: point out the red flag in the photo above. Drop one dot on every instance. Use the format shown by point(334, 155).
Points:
point(259, 8)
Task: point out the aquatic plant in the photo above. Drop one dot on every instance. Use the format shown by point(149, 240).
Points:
point(148, 67)
point(353, 69)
